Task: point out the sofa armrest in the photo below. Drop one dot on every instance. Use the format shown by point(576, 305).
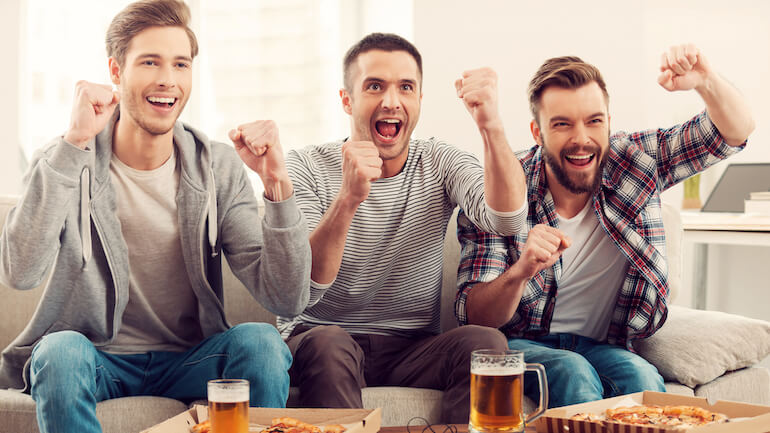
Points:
point(695, 347)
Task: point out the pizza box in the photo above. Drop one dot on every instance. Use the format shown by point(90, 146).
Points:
point(747, 418)
point(354, 420)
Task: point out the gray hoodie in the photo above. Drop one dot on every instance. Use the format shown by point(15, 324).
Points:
point(65, 224)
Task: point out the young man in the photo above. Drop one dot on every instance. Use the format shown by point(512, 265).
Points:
point(378, 205)
point(590, 277)
point(129, 211)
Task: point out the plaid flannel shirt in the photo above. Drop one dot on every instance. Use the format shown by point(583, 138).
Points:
point(639, 167)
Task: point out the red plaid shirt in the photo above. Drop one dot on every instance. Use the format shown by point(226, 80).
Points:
point(639, 167)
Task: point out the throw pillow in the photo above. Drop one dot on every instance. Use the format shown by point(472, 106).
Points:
point(695, 347)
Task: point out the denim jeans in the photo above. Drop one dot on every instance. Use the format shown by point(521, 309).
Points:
point(580, 369)
point(69, 375)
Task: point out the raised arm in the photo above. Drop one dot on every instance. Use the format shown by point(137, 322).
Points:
point(505, 187)
point(684, 67)
point(489, 290)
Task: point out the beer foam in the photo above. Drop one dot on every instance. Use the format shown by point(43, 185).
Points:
point(228, 395)
point(497, 371)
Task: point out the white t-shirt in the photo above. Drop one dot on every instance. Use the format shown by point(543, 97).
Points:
point(162, 310)
point(593, 268)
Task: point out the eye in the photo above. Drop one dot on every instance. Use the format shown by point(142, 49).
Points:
point(560, 124)
point(149, 62)
point(182, 65)
point(597, 121)
point(374, 86)
point(406, 87)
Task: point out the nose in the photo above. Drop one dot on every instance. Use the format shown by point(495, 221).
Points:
point(165, 77)
point(581, 134)
point(390, 99)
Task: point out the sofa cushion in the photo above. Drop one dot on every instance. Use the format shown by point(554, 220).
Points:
point(695, 347)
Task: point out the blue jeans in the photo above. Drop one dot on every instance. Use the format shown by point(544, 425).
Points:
point(581, 369)
point(69, 376)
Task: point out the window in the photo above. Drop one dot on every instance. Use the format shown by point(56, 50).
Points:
point(267, 59)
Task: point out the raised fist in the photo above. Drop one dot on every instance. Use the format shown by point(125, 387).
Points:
point(543, 248)
point(92, 109)
point(361, 165)
point(478, 90)
point(683, 67)
point(259, 146)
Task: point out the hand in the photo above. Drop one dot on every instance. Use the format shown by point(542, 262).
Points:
point(543, 247)
point(259, 146)
point(93, 107)
point(361, 165)
point(478, 90)
point(683, 67)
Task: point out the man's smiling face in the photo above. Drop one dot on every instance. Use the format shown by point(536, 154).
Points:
point(384, 101)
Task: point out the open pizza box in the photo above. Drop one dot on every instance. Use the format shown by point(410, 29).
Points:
point(744, 418)
point(354, 420)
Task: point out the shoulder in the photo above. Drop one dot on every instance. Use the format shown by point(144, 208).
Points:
point(323, 156)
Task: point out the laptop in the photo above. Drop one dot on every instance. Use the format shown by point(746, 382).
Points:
point(735, 185)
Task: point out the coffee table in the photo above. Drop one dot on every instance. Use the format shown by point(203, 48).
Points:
point(438, 428)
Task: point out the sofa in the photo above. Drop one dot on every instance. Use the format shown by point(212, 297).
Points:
point(699, 353)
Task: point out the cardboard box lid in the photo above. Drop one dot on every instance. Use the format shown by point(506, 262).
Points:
point(755, 418)
point(355, 420)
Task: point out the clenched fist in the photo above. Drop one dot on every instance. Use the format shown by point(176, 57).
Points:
point(259, 146)
point(683, 67)
point(93, 107)
point(543, 248)
point(361, 165)
point(478, 90)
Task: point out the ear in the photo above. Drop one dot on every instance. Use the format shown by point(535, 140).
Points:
point(535, 129)
point(114, 71)
point(346, 101)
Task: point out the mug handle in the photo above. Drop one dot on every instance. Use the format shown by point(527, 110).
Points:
point(543, 382)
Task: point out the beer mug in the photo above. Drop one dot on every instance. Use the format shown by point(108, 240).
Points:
point(497, 389)
point(229, 405)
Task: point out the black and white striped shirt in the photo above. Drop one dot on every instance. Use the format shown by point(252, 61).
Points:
point(389, 282)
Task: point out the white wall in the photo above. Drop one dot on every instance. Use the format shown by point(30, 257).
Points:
point(10, 173)
point(624, 40)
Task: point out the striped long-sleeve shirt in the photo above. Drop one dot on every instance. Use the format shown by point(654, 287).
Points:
point(389, 282)
point(639, 167)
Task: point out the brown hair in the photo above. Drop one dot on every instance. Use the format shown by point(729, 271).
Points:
point(567, 72)
point(379, 41)
point(141, 15)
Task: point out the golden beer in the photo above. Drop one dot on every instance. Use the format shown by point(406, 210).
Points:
point(496, 400)
point(229, 405)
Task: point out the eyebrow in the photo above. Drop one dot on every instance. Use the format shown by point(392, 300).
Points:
point(380, 80)
point(565, 118)
point(158, 56)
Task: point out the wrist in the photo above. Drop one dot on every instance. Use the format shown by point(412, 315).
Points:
point(707, 86)
point(494, 126)
point(76, 140)
point(347, 201)
point(278, 187)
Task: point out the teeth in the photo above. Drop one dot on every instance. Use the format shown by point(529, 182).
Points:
point(390, 121)
point(159, 100)
point(580, 156)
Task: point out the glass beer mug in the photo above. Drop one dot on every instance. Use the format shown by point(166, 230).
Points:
point(497, 390)
point(229, 405)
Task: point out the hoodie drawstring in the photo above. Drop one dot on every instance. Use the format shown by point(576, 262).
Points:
point(212, 214)
point(85, 214)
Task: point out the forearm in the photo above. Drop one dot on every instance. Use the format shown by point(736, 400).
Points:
point(278, 187)
point(327, 241)
point(494, 303)
point(727, 108)
point(504, 182)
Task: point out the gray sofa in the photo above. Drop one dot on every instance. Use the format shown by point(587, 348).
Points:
point(715, 373)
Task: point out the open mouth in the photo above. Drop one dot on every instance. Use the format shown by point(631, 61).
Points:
point(388, 129)
point(580, 160)
point(161, 101)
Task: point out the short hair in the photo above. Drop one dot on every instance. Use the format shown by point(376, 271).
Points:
point(567, 72)
point(379, 41)
point(144, 14)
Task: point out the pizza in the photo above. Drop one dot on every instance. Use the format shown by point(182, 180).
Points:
point(280, 425)
point(656, 416)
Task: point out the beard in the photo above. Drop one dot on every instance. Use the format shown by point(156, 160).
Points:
point(576, 183)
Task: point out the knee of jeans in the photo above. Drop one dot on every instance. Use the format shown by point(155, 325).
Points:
point(474, 337)
point(566, 365)
point(63, 349)
point(257, 339)
point(328, 346)
point(646, 375)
